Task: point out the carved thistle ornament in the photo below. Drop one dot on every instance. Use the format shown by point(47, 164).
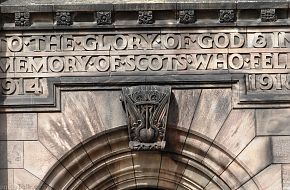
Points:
point(147, 109)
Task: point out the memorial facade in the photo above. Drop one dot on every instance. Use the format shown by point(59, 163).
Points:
point(169, 95)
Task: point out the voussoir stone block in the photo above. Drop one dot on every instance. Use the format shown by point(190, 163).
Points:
point(182, 107)
point(256, 156)
point(213, 108)
point(237, 131)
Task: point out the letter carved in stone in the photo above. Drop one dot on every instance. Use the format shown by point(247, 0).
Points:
point(147, 109)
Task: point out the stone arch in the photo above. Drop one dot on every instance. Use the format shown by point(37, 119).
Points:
point(97, 164)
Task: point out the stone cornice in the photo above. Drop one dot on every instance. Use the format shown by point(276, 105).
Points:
point(84, 14)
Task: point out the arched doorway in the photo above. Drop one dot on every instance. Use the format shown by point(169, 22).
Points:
point(96, 165)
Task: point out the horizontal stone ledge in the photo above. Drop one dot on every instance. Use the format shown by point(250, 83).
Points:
point(11, 6)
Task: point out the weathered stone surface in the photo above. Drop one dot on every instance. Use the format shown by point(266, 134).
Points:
point(192, 171)
point(146, 164)
point(11, 154)
point(281, 149)
point(270, 178)
point(196, 146)
point(237, 131)
point(37, 159)
point(171, 169)
point(213, 108)
point(257, 155)
point(286, 176)
point(18, 126)
point(183, 104)
point(84, 114)
point(273, 121)
point(217, 160)
point(77, 162)
point(121, 163)
point(6, 179)
point(235, 175)
point(24, 180)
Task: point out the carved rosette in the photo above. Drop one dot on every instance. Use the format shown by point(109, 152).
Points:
point(268, 15)
point(22, 19)
point(104, 17)
point(227, 16)
point(145, 17)
point(187, 16)
point(63, 18)
point(147, 109)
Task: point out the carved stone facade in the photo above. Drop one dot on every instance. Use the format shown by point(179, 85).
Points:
point(204, 89)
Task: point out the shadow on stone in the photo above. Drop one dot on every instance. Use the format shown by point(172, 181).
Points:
point(3, 132)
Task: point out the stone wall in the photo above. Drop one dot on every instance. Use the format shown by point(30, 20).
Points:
point(65, 122)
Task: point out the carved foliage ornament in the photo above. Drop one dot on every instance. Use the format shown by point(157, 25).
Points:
point(227, 16)
point(187, 16)
point(63, 18)
point(22, 19)
point(145, 17)
point(104, 17)
point(147, 109)
point(268, 15)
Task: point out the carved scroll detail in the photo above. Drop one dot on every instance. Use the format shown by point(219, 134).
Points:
point(147, 109)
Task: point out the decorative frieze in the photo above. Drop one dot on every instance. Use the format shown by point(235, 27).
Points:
point(147, 109)
point(22, 19)
point(63, 18)
point(187, 16)
point(104, 17)
point(268, 15)
point(145, 17)
point(227, 16)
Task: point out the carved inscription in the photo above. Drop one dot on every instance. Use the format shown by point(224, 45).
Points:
point(26, 60)
point(258, 82)
point(21, 86)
